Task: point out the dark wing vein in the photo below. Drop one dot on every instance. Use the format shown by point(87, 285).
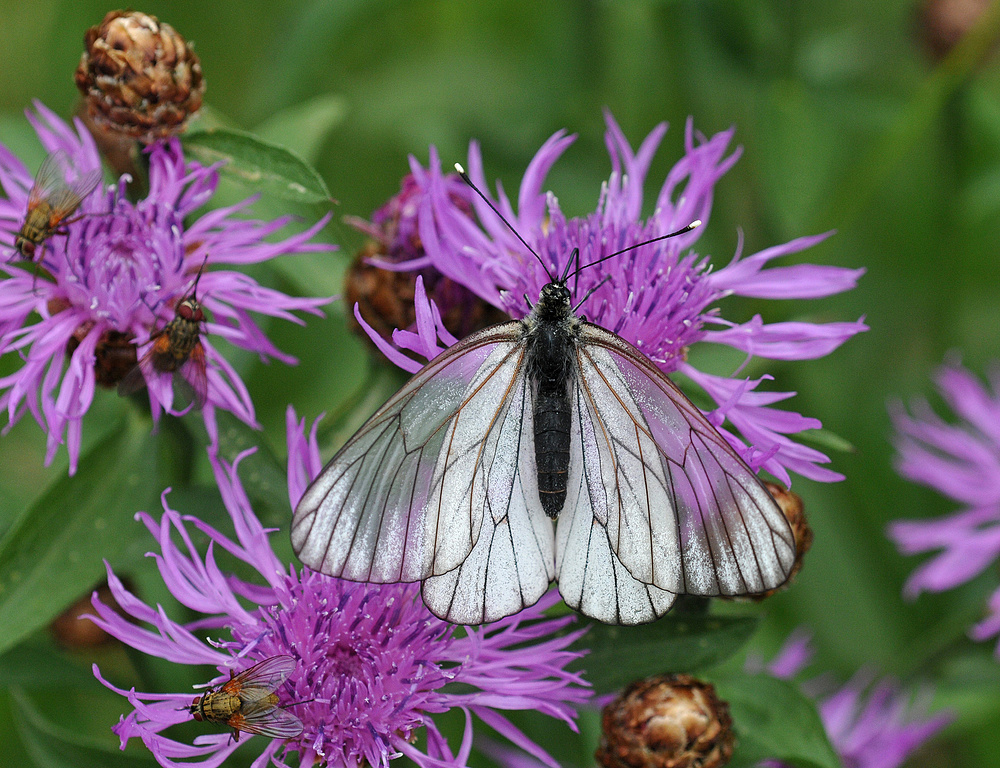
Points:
point(377, 509)
point(719, 531)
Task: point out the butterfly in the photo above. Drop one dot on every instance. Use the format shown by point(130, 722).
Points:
point(456, 481)
point(50, 201)
point(248, 702)
point(176, 348)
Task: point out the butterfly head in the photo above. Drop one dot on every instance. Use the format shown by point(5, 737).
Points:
point(554, 301)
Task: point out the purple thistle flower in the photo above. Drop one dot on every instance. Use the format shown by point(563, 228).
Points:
point(660, 297)
point(961, 461)
point(869, 726)
point(373, 662)
point(118, 272)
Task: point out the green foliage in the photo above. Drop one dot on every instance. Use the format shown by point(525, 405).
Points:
point(57, 546)
point(773, 720)
point(257, 164)
point(676, 643)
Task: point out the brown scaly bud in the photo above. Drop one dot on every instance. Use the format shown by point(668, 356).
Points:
point(668, 721)
point(385, 296)
point(114, 354)
point(139, 77)
point(794, 511)
point(72, 629)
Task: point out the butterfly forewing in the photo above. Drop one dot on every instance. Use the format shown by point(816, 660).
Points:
point(404, 500)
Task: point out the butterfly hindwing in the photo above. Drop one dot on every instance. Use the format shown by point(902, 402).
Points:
point(591, 576)
point(688, 516)
point(511, 564)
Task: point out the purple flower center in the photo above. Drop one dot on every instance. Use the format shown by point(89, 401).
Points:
point(126, 265)
point(364, 655)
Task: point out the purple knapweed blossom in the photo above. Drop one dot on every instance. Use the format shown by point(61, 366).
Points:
point(374, 665)
point(115, 275)
point(660, 297)
point(961, 461)
point(869, 726)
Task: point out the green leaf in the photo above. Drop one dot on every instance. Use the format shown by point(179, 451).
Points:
point(39, 664)
point(57, 545)
point(259, 164)
point(55, 747)
point(675, 643)
point(262, 475)
point(303, 128)
point(774, 720)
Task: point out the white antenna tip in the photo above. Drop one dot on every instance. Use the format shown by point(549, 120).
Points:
point(461, 170)
point(694, 224)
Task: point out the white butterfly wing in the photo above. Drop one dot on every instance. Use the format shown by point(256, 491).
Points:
point(407, 497)
point(680, 510)
point(591, 577)
point(511, 565)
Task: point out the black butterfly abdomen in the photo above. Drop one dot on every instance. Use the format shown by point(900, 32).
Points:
point(550, 371)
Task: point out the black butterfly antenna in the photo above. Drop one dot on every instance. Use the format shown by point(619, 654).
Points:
point(693, 225)
point(467, 180)
point(576, 251)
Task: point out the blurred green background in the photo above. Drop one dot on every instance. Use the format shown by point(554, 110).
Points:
point(847, 122)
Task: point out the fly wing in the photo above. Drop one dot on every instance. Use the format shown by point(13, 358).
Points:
point(51, 186)
point(683, 511)
point(267, 720)
point(144, 369)
point(511, 564)
point(50, 178)
point(262, 679)
point(191, 379)
point(406, 498)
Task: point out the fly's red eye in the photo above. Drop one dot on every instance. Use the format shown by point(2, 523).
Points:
point(187, 309)
point(27, 248)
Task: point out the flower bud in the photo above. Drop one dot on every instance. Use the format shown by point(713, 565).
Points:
point(385, 296)
point(139, 77)
point(794, 511)
point(71, 629)
point(669, 721)
point(114, 353)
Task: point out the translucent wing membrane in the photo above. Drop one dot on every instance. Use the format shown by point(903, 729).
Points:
point(261, 680)
point(674, 505)
point(267, 720)
point(511, 564)
point(407, 497)
point(441, 486)
point(50, 185)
